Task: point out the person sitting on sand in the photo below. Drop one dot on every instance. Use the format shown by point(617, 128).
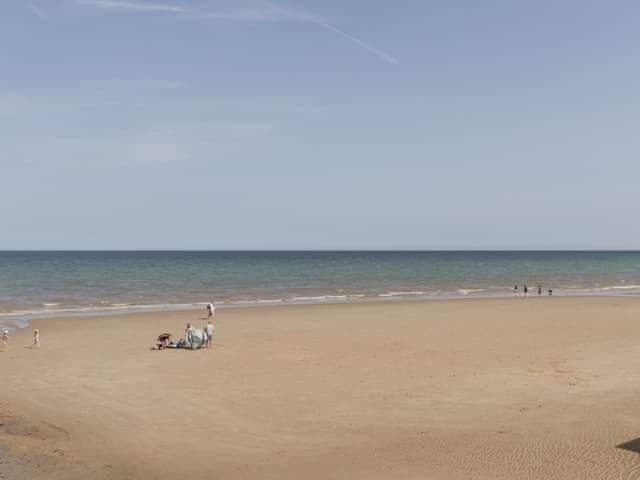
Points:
point(4, 341)
point(36, 339)
point(163, 341)
point(209, 329)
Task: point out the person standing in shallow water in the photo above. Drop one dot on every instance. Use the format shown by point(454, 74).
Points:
point(525, 289)
point(539, 289)
point(515, 291)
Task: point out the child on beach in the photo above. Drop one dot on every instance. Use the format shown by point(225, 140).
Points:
point(36, 339)
point(4, 341)
point(208, 331)
point(211, 309)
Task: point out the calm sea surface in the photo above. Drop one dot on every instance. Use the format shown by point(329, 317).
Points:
point(41, 284)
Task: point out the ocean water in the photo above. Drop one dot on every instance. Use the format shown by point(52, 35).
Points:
point(45, 284)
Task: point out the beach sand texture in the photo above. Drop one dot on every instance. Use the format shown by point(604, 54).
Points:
point(544, 388)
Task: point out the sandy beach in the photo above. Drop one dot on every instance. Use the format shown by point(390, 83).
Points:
point(478, 389)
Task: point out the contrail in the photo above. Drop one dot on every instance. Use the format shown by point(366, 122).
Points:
point(133, 6)
point(38, 11)
point(305, 17)
point(272, 13)
point(379, 53)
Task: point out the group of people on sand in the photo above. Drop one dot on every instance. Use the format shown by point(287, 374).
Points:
point(4, 340)
point(525, 291)
point(189, 340)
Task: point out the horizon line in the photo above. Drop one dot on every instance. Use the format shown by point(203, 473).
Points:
point(349, 250)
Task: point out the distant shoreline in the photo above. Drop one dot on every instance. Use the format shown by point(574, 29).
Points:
point(19, 321)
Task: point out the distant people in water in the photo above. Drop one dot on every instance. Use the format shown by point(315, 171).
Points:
point(539, 289)
point(4, 341)
point(515, 291)
point(525, 289)
point(36, 339)
point(550, 292)
point(211, 309)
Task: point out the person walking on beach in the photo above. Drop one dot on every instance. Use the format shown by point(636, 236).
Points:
point(4, 341)
point(209, 330)
point(211, 309)
point(36, 339)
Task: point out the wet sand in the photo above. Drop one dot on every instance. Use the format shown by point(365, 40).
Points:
point(482, 389)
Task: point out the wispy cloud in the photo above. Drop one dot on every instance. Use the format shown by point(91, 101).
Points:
point(269, 12)
point(14, 104)
point(36, 10)
point(158, 144)
point(134, 6)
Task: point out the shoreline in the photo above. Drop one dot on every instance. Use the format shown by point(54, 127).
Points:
point(16, 321)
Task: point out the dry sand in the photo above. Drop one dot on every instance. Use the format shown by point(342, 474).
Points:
point(490, 389)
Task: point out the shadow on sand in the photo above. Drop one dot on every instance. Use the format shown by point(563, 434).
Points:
point(631, 445)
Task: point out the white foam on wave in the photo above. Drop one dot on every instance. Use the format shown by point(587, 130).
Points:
point(619, 287)
point(467, 291)
point(317, 298)
point(117, 308)
point(401, 294)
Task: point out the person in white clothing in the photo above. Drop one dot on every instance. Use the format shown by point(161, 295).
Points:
point(211, 309)
point(209, 330)
point(36, 339)
point(188, 333)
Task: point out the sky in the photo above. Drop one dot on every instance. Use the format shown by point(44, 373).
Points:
point(341, 124)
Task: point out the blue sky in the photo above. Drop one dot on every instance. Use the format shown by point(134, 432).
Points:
point(211, 124)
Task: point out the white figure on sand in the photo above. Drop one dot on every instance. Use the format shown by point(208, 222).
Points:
point(188, 333)
point(209, 330)
point(4, 341)
point(36, 339)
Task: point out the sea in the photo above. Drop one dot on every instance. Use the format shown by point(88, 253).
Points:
point(40, 284)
